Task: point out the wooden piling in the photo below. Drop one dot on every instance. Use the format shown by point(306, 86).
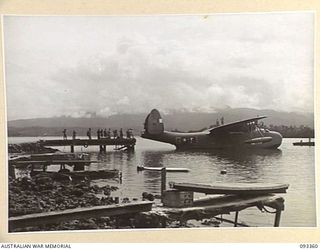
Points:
point(72, 148)
point(163, 182)
point(236, 219)
point(12, 171)
point(277, 218)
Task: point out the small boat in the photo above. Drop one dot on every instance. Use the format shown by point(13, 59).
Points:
point(304, 143)
point(141, 168)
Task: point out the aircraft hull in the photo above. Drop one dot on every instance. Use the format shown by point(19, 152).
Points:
point(198, 141)
point(241, 134)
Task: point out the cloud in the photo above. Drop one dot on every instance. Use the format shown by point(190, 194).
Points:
point(173, 62)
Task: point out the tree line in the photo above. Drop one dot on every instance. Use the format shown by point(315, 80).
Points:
point(292, 131)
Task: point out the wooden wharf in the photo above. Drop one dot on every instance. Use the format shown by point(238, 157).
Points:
point(118, 143)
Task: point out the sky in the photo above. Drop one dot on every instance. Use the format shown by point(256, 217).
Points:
point(81, 66)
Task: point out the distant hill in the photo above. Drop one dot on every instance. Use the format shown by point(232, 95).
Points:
point(182, 121)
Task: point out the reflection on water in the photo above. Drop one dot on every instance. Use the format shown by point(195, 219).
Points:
point(289, 164)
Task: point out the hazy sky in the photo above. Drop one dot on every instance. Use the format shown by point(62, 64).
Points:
point(77, 65)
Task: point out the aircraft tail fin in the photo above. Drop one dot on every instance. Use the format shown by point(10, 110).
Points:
point(153, 124)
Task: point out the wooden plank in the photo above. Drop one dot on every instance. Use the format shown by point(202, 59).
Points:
point(82, 174)
point(236, 188)
point(230, 221)
point(52, 162)
point(141, 168)
point(78, 213)
point(92, 142)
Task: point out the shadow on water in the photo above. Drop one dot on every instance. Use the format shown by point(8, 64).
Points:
point(238, 157)
point(246, 166)
point(240, 165)
point(152, 159)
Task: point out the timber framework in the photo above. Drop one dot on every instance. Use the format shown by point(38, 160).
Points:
point(118, 143)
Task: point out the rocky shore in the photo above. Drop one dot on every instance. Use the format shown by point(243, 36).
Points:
point(41, 193)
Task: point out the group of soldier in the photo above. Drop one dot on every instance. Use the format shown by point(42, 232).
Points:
point(102, 133)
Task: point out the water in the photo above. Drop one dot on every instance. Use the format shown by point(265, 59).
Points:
point(290, 164)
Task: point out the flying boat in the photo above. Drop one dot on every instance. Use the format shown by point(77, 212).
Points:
point(240, 134)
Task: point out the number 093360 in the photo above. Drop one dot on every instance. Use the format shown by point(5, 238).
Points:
point(308, 246)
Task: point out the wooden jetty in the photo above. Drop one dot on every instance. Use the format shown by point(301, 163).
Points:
point(77, 161)
point(226, 204)
point(37, 219)
point(118, 143)
point(178, 203)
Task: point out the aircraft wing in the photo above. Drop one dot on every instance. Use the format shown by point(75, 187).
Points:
point(234, 126)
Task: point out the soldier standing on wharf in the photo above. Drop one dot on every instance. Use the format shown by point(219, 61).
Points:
point(64, 134)
point(109, 133)
point(217, 123)
point(89, 133)
point(121, 133)
point(128, 134)
point(74, 135)
point(222, 120)
point(115, 134)
point(98, 134)
point(105, 133)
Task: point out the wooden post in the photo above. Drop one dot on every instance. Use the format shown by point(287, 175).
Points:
point(277, 218)
point(12, 171)
point(72, 148)
point(236, 219)
point(163, 182)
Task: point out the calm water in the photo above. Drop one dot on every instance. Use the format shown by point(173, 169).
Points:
point(290, 164)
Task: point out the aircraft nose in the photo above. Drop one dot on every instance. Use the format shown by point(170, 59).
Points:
point(276, 138)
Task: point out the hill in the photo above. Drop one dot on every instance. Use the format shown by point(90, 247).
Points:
point(176, 120)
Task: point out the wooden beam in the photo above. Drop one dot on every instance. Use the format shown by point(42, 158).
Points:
point(82, 142)
point(78, 213)
point(163, 182)
point(230, 221)
point(52, 162)
point(236, 188)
